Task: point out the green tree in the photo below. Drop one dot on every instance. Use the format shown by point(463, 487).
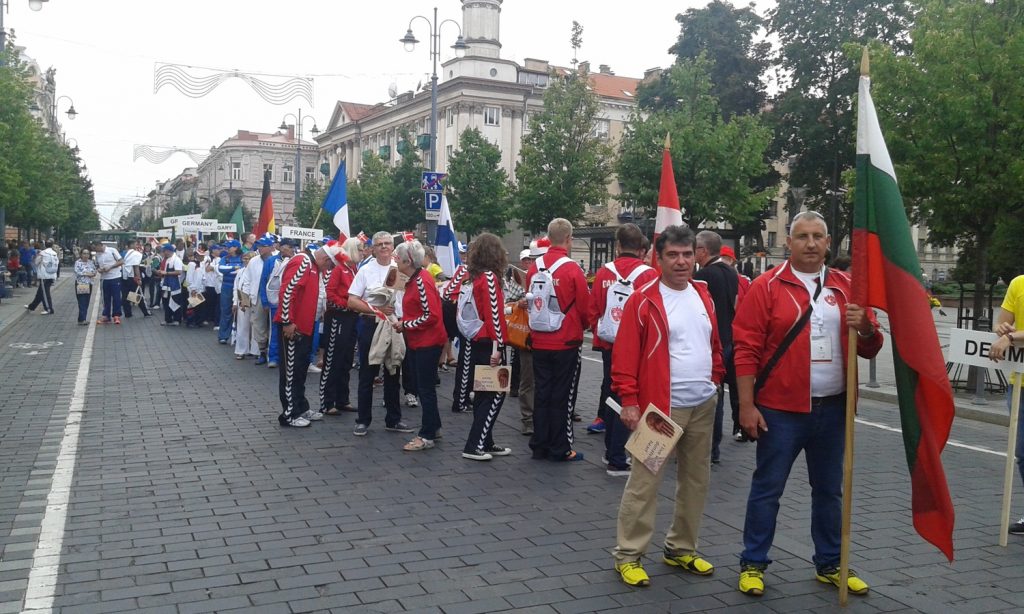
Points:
point(955, 108)
point(726, 35)
point(813, 117)
point(369, 197)
point(714, 161)
point(310, 206)
point(478, 188)
point(405, 204)
point(563, 166)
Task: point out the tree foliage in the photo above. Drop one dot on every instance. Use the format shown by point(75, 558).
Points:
point(813, 118)
point(714, 161)
point(478, 188)
point(956, 109)
point(368, 197)
point(310, 205)
point(41, 183)
point(727, 36)
point(563, 166)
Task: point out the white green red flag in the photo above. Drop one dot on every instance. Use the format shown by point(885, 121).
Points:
point(887, 276)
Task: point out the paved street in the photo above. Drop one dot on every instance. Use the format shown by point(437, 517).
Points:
point(187, 497)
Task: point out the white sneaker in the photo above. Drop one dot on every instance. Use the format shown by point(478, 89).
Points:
point(411, 400)
point(299, 422)
point(313, 415)
point(314, 369)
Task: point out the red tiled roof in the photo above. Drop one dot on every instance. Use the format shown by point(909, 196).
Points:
point(609, 86)
point(356, 111)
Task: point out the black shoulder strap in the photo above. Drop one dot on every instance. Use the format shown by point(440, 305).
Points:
point(794, 332)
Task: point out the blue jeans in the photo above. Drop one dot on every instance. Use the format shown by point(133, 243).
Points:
point(224, 326)
point(274, 345)
point(616, 434)
point(1019, 450)
point(111, 298)
point(424, 368)
point(821, 436)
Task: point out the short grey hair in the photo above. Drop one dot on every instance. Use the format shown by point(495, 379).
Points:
point(808, 216)
point(381, 234)
point(711, 241)
point(410, 252)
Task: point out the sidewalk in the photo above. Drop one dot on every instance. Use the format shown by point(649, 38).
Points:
point(13, 309)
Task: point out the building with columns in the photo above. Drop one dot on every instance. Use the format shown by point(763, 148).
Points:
point(480, 90)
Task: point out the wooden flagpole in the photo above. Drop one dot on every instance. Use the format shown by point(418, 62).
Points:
point(318, 212)
point(851, 412)
point(1011, 446)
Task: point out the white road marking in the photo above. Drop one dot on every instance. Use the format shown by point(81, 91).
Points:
point(951, 442)
point(42, 579)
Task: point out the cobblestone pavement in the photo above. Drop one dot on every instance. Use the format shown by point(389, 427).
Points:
point(187, 497)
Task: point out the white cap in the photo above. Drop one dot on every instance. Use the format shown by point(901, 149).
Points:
point(525, 254)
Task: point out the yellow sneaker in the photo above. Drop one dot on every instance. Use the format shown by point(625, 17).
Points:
point(855, 585)
point(633, 573)
point(690, 562)
point(752, 580)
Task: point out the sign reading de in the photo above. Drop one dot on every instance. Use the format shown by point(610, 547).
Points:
point(971, 347)
point(305, 234)
point(432, 205)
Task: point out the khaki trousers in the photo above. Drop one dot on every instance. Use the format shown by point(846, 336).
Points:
point(260, 319)
point(693, 473)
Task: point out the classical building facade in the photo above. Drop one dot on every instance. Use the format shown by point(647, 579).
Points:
point(482, 91)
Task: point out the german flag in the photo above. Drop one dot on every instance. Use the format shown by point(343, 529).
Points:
point(265, 223)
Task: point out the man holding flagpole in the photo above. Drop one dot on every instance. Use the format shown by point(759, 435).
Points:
point(790, 338)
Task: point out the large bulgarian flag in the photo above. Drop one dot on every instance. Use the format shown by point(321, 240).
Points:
point(265, 223)
point(669, 213)
point(887, 276)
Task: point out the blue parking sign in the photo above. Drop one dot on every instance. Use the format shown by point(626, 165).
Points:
point(432, 205)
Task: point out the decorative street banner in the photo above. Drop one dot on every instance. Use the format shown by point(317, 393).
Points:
point(173, 221)
point(226, 228)
point(305, 234)
point(201, 225)
point(971, 347)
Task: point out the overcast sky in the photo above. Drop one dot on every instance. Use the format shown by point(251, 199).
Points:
point(105, 52)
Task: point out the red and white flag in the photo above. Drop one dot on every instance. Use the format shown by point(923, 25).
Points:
point(408, 235)
point(669, 213)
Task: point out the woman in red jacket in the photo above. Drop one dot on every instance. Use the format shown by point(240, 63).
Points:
point(339, 334)
point(484, 312)
point(424, 337)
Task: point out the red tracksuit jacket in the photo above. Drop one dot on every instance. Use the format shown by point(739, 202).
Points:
point(574, 299)
point(300, 292)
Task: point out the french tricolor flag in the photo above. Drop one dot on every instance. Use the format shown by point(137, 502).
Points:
point(336, 202)
point(446, 245)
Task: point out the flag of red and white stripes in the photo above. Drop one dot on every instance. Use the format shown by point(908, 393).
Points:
point(669, 213)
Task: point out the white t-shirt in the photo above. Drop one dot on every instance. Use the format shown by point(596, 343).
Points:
point(107, 259)
point(689, 346)
point(372, 275)
point(827, 377)
point(132, 259)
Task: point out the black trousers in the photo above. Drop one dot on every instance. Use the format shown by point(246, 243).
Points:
point(43, 296)
point(555, 376)
point(367, 373)
point(463, 374)
point(486, 405)
point(129, 285)
point(291, 383)
point(173, 315)
point(516, 368)
point(339, 340)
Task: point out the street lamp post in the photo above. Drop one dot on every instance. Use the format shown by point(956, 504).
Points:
point(71, 113)
point(298, 148)
point(460, 47)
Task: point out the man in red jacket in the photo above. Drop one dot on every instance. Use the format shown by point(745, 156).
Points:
point(667, 353)
point(792, 389)
point(613, 284)
point(296, 314)
point(556, 353)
